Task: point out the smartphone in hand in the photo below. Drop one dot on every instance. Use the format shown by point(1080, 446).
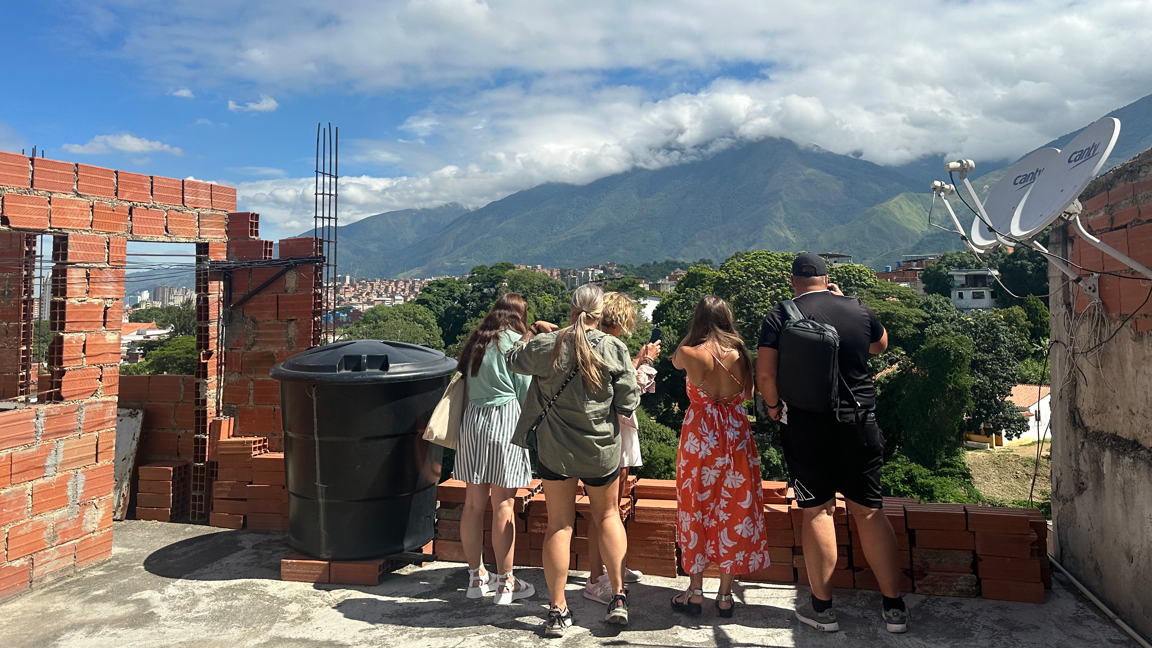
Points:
point(656, 335)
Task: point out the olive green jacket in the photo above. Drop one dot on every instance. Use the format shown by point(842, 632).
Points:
point(580, 436)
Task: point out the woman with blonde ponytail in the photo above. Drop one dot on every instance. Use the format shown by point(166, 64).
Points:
point(582, 382)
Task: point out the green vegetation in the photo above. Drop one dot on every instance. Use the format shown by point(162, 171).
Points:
point(171, 355)
point(659, 445)
point(181, 318)
point(949, 482)
point(41, 336)
point(457, 306)
point(409, 323)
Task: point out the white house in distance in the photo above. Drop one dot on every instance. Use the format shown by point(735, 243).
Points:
point(1035, 403)
point(973, 289)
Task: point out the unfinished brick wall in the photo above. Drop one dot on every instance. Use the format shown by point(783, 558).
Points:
point(277, 320)
point(56, 454)
point(1101, 440)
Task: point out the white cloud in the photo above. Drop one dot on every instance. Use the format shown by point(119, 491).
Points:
point(522, 92)
point(123, 143)
point(259, 171)
point(266, 104)
point(184, 93)
point(10, 140)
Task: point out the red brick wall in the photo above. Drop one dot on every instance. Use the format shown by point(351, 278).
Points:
point(56, 455)
point(1120, 217)
point(169, 404)
point(277, 322)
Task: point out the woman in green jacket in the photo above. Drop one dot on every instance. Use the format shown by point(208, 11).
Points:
point(582, 382)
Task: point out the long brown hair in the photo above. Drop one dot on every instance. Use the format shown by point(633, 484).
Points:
point(587, 307)
point(713, 322)
point(509, 313)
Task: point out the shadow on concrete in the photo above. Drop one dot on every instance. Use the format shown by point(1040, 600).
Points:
point(214, 557)
point(443, 604)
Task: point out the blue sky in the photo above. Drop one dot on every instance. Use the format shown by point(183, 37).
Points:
point(460, 100)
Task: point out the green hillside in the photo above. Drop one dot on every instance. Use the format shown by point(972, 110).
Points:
point(771, 194)
point(895, 223)
point(366, 244)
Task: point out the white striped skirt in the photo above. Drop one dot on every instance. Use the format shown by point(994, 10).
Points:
point(485, 454)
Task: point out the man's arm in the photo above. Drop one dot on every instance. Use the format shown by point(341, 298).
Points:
point(766, 363)
point(879, 346)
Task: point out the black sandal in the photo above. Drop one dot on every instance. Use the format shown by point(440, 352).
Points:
point(686, 606)
point(725, 613)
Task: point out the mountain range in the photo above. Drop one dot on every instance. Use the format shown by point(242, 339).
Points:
point(770, 194)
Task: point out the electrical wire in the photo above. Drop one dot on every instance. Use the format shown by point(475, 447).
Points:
point(1041, 437)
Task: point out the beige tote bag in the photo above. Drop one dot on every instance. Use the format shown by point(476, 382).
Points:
point(444, 426)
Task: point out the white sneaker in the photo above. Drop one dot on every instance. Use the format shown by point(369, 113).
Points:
point(480, 582)
point(632, 576)
point(509, 588)
point(599, 590)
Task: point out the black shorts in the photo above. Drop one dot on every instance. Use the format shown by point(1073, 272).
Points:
point(543, 472)
point(826, 456)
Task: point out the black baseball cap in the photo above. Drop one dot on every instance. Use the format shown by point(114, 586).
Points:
point(809, 265)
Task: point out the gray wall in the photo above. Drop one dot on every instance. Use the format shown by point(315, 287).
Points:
point(1102, 414)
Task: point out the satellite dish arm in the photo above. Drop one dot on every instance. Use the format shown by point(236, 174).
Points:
point(979, 205)
point(959, 228)
point(1115, 254)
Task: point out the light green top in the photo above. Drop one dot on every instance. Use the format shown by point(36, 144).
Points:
point(580, 436)
point(494, 384)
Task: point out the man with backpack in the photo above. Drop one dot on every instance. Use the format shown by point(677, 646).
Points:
point(812, 371)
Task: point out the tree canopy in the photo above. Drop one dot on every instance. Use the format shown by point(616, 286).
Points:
point(180, 318)
point(411, 323)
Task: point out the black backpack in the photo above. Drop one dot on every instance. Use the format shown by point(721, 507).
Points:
point(808, 372)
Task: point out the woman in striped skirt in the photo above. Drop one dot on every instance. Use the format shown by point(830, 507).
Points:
point(485, 458)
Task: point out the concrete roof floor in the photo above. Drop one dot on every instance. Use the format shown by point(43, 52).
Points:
point(190, 585)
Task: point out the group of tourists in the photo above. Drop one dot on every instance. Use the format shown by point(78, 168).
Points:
point(561, 402)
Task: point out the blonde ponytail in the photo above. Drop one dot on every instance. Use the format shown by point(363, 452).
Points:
point(587, 307)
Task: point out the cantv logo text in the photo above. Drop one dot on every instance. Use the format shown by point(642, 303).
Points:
point(1025, 179)
point(1084, 154)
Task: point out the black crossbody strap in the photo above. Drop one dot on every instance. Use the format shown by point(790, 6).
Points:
point(550, 403)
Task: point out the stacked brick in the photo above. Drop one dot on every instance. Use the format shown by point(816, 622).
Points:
point(944, 549)
point(163, 491)
point(447, 544)
point(1011, 554)
point(1120, 217)
point(943, 559)
point(234, 462)
point(267, 495)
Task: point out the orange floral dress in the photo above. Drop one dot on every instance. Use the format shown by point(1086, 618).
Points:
point(719, 495)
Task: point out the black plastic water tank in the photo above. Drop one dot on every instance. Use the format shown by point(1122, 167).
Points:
point(361, 479)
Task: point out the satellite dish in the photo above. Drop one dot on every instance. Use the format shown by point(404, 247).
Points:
point(1008, 194)
point(1062, 182)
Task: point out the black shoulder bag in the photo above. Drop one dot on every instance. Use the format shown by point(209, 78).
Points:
point(808, 372)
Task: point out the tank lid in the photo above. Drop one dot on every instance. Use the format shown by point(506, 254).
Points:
point(365, 361)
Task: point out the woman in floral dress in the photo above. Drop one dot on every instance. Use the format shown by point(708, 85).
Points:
point(719, 493)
